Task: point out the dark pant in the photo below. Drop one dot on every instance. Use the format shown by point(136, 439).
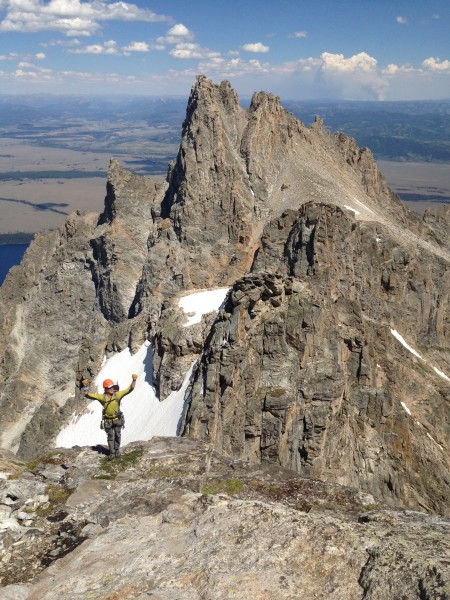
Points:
point(114, 433)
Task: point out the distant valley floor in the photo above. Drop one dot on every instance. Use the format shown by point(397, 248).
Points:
point(40, 187)
point(419, 184)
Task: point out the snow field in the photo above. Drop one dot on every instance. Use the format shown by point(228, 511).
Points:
point(201, 303)
point(145, 415)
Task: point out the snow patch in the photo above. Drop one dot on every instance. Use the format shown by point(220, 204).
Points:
point(433, 440)
point(402, 341)
point(201, 303)
point(145, 415)
point(406, 409)
point(408, 347)
point(364, 206)
point(352, 209)
point(441, 374)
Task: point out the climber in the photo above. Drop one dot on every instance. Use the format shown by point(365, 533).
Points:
point(112, 417)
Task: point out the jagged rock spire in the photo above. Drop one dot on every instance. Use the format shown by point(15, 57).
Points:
point(301, 367)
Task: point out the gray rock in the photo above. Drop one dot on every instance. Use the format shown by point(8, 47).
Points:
point(14, 592)
point(10, 523)
point(20, 490)
point(300, 368)
point(5, 511)
point(186, 522)
point(314, 379)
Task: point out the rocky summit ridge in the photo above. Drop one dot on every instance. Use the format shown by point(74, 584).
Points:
point(172, 519)
point(330, 356)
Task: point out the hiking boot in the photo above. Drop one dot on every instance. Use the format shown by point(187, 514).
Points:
point(117, 453)
point(110, 456)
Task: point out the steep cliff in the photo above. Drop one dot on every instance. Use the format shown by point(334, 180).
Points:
point(303, 367)
point(65, 306)
point(310, 364)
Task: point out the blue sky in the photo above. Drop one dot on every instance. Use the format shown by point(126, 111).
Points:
point(298, 49)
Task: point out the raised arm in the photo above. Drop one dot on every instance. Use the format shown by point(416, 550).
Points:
point(87, 393)
point(130, 388)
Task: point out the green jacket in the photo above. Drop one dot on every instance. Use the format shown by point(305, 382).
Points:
point(111, 404)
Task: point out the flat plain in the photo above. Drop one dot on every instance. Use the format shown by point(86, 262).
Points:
point(32, 201)
point(36, 203)
point(40, 203)
point(420, 185)
point(54, 153)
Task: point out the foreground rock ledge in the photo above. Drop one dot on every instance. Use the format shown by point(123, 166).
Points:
point(171, 519)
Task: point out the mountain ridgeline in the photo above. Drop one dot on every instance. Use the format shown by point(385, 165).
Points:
point(331, 354)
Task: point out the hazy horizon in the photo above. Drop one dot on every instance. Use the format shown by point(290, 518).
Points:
point(184, 97)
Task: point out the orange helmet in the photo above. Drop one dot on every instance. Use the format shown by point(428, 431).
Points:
point(108, 383)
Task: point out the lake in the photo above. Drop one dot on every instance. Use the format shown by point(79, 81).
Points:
point(10, 255)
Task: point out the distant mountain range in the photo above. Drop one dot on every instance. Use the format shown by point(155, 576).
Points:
point(404, 131)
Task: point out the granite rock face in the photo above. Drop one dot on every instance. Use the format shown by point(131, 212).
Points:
point(332, 279)
point(67, 305)
point(173, 519)
point(302, 368)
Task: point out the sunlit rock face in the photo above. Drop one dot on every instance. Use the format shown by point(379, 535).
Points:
point(303, 368)
point(300, 367)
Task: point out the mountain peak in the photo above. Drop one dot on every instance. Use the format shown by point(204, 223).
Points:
point(303, 365)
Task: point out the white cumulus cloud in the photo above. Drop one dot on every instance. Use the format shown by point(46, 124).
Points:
point(20, 74)
point(9, 56)
point(434, 64)
point(109, 47)
point(23, 57)
point(71, 17)
point(176, 34)
point(179, 30)
point(401, 20)
point(359, 62)
point(393, 70)
point(188, 50)
point(257, 48)
point(137, 47)
point(356, 77)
